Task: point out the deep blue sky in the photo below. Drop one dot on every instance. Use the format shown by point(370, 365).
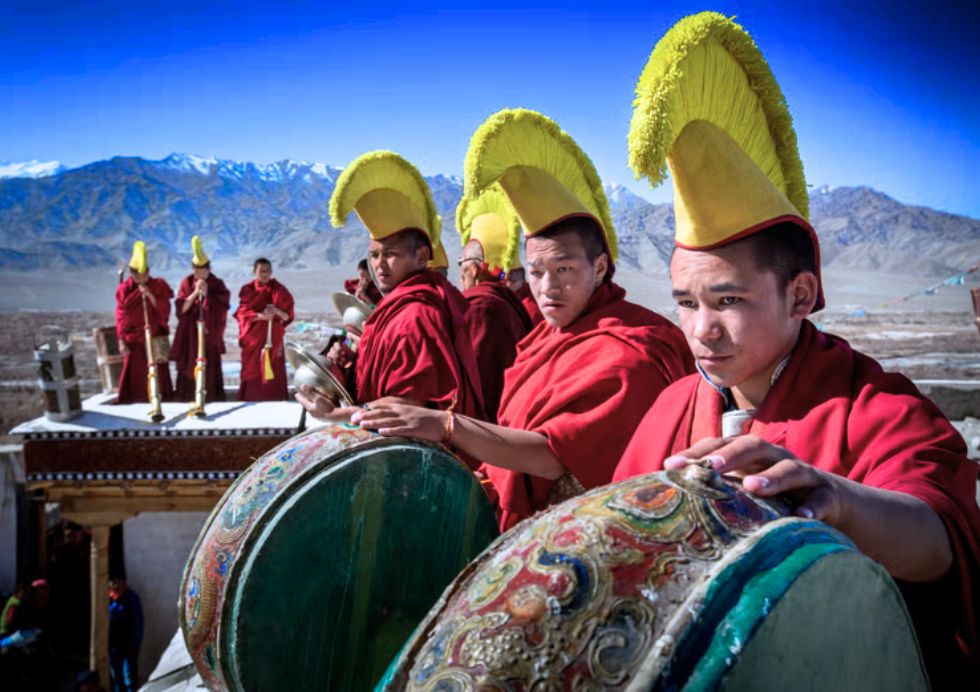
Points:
point(883, 96)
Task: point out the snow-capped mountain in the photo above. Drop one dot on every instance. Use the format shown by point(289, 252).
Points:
point(56, 218)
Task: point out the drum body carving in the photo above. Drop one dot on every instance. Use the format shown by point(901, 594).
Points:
point(323, 557)
point(674, 580)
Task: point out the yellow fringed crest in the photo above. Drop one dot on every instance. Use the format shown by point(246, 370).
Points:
point(544, 173)
point(709, 109)
point(138, 262)
point(389, 195)
point(490, 218)
point(198, 257)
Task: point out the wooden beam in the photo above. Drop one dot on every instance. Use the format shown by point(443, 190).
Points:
point(99, 588)
point(128, 507)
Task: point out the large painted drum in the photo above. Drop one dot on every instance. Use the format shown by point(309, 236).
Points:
point(670, 581)
point(323, 557)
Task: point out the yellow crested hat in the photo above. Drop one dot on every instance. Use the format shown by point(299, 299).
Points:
point(546, 176)
point(439, 259)
point(198, 257)
point(138, 262)
point(709, 109)
point(490, 219)
point(389, 195)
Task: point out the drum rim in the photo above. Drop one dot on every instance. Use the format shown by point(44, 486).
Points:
point(374, 442)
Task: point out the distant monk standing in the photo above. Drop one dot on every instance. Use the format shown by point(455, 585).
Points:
point(416, 346)
point(201, 295)
point(263, 302)
point(488, 227)
point(131, 295)
point(363, 287)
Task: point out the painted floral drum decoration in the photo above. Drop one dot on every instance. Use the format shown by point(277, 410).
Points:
point(323, 557)
point(673, 580)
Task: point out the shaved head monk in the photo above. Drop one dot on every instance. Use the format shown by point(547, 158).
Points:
point(789, 409)
point(584, 376)
point(415, 347)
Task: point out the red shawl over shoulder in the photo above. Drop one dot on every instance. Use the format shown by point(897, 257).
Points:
point(252, 300)
point(416, 345)
point(530, 304)
point(497, 321)
point(129, 329)
point(183, 351)
point(585, 388)
point(838, 410)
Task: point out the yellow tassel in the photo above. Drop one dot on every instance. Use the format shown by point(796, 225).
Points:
point(707, 68)
point(267, 374)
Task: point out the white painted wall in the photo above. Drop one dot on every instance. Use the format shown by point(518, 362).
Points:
point(157, 545)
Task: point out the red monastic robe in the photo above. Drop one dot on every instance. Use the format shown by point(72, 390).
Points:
point(416, 345)
point(497, 321)
point(838, 410)
point(129, 329)
point(530, 304)
point(252, 300)
point(184, 348)
point(585, 387)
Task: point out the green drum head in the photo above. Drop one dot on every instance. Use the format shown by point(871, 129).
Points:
point(341, 571)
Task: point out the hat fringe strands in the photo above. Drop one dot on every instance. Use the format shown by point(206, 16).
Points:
point(545, 174)
point(491, 201)
point(708, 68)
point(389, 195)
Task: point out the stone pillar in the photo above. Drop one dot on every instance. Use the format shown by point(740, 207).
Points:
point(99, 633)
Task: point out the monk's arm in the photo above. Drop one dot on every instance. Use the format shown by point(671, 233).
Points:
point(518, 450)
point(898, 530)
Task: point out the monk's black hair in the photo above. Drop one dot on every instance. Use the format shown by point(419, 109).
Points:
point(362, 265)
point(589, 233)
point(261, 260)
point(784, 249)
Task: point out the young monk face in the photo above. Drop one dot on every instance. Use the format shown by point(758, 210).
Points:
point(262, 273)
point(561, 276)
point(140, 277)
point(395, 258)
point(202, 273)
point(738, 321)
point(515, 279)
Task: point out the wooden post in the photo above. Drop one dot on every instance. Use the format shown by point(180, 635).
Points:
point(99, 574)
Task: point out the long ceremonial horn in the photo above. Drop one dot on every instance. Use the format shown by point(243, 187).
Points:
point(152, 383)
point(200, 365)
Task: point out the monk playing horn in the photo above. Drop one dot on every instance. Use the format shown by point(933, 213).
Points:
point(265, 309)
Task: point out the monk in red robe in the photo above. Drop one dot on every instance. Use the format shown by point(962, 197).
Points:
point(497, 322)
point(132, 343)
point(581, 381)
point(799, 413)
point(517, 283)
point(261, 302)
point(415, 346)
point(363, 287)
point(201, 295)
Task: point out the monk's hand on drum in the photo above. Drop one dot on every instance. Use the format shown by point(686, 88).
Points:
point(321, 407)
point(766, 470)
point(400, 420)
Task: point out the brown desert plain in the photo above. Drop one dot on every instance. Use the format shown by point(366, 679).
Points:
point(930, 337)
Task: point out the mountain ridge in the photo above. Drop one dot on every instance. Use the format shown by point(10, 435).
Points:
point(90, 215)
